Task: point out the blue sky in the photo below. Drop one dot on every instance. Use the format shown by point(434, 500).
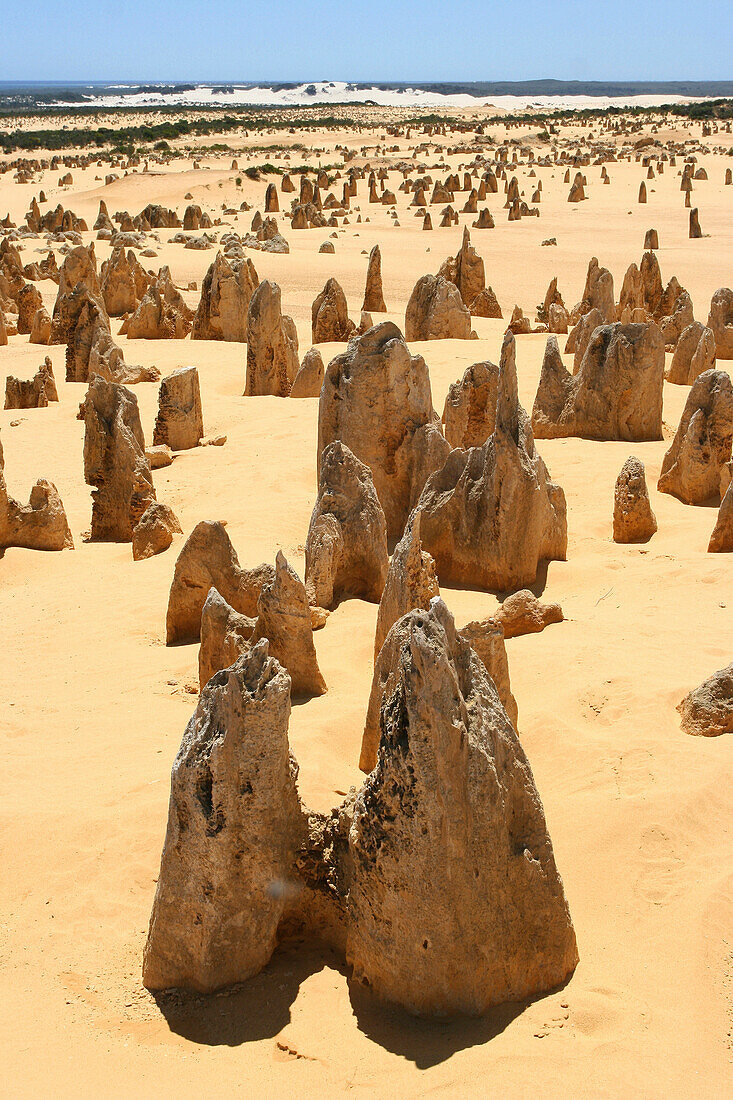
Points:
point(366, 40)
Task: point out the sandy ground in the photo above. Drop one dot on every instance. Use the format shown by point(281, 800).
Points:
point(94, 704)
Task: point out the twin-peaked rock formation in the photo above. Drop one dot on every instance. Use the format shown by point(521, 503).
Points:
point(615, 394)
point(39, 525)
point(437, 880)
point(491, 515)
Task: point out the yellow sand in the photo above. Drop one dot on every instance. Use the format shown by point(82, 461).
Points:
point(94, 705)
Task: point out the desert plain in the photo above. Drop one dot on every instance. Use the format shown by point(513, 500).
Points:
point(94, 703)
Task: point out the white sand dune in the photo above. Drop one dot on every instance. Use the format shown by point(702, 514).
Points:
point(204, 95)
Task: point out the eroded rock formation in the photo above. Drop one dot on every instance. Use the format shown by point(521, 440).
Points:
point(180, 421)
point(376, 398)
point(708, 709)
point(437, 881)
point(272, 345)
point(330, 321)
point(701, 448)
point(435, 311)
point(469, 412)
point(284, 618)
point(616, 393)
point(226, 293)
point(346, 547)
point(492, 514)
point(115, 463)
point(39, 525)
point(633, 518)
point(208, 560)
point(373, 293)
point(411, 582)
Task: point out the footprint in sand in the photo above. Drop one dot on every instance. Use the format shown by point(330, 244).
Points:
point(658, 881)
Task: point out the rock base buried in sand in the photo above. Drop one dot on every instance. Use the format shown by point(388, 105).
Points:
point(616, 392)
point(522, 613)
point(708, 710)
point(633, 518)
point(154, 533)
point(39, 525)
point(180, 421)
point(115, 463)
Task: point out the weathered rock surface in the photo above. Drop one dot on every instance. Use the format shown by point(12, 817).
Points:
point(284, 618)
point(674, 324)
point(486, 305)
point(123, 282)
point(720, 320)
point(633, 518)
point(29, 301)
point(79, 267)
point(452, 790)
point(90, 348)
point(373, 293)
point(234, 827)
point(162, 313)
point(492, 514)
point(346, 547)
point(694, 353)
point(486, 638)
point(272, 345)
point(180, 421)
point(376, 398)
point(155, 530)
point(435, 311)
point(616, 394)
point(226, 293)
point(411, 582)
point(522, 613)
point(469, 412)
point(708, 709)
point(115, 463)
point(466, 271)
point(34, 393)
point(208, 560)
point(721, 540)
point(692, 466)
point(41, 328)
point(39, 525)
point(309, 379)
point(330, 322)
point(579, 338)
point(225, 636)
point(437, 879)
point(597, 293)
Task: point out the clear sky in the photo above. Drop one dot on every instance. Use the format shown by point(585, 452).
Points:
point(362, 40)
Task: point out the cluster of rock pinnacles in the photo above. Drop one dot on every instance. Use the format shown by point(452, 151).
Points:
point(436, 879)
